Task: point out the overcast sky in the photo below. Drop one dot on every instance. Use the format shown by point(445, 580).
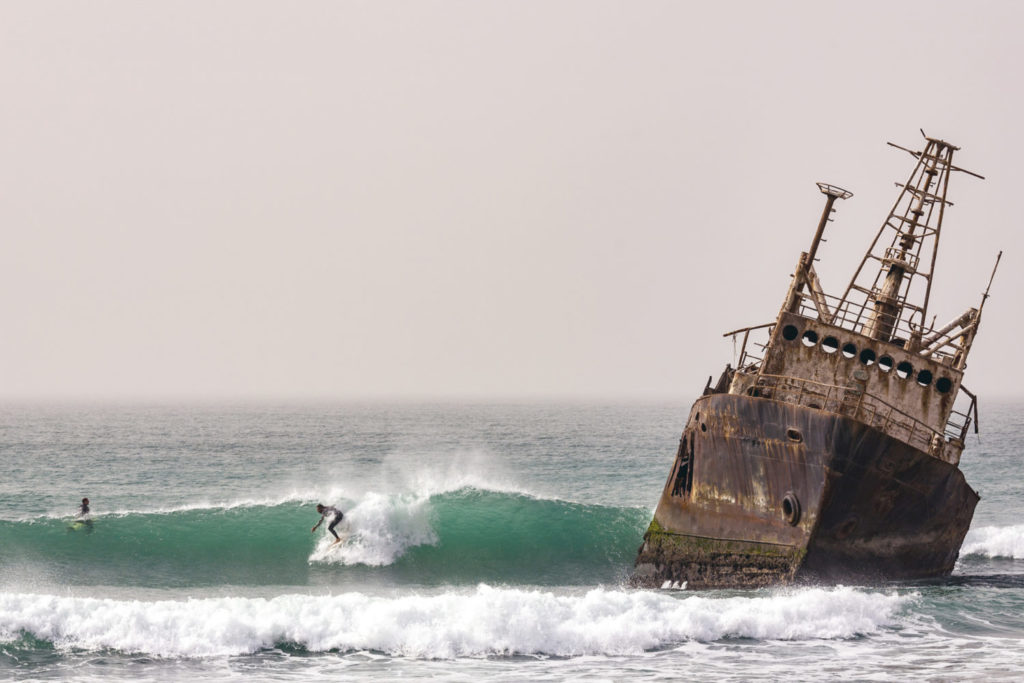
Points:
point(510, 199)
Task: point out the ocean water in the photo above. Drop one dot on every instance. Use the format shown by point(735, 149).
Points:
point(485, 540)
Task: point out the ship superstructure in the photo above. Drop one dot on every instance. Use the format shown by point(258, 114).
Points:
point(832, 450)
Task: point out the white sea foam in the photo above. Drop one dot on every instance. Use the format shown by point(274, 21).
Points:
point(995, 541)
point(380, 529)
point(480, 622)
point(470, 471)
point(268, 501)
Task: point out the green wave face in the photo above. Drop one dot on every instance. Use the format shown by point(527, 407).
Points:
point(474, 536)
point(496, 537)
point(252, 545)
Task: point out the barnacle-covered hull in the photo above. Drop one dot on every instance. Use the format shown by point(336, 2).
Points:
point(765, 492)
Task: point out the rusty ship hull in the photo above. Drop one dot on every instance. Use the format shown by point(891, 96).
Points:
point(784, 493)
point(833, 453)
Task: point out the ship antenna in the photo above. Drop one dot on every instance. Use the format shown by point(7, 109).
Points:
point(887, 308)
point(984, 297)
point(833, 193)
point(805, 275)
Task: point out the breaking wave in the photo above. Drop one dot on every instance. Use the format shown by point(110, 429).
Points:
point(482, 622)
point(995, 541)
point(464, 536)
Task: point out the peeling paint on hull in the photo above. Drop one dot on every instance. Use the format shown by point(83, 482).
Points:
point(868, 506)
point(832, 453)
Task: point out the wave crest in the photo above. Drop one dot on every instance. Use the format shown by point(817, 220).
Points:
point(995, 541)
point(379, 530)
point(484, 622)
point(465, 536)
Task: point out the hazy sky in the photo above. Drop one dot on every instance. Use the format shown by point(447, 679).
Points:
point(547, 199)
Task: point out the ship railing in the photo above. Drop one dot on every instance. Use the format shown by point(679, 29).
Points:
point(960, 421)
point(747, 359)
point(852, 402)
point(958, 425)
point(852, 316)
point(903, 257)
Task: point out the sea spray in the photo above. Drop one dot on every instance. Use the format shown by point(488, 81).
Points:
point(480, 622)
point(995, 541)
point(479, 535)
point(412, 484)
point(463, 537)
point(571, 480)
point(378, 530)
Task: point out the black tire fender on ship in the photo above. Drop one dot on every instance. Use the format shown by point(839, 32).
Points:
point(791, 508)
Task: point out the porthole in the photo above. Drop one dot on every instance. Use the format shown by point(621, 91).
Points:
point(791, 508)
point(885, 363)
point(944, 385)
point(829, 344)
point(904, 370)
point(924, 378)
point(867, 357)
point(794, 435)
point(789, 332)
point(810, 338)
point(849, 350)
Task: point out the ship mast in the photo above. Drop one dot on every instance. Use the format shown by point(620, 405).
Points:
point(893, 307)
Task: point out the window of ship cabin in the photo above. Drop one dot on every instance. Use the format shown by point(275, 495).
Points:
point(924, 378)
point(789, 332)
point(849, 350)
point(885, 363)
point(810, 338)
point(867, 357)
point(683, 483)
point(904, 370)
point(829, 344)
point(944, 385)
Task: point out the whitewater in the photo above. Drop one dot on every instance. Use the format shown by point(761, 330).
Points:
point(483, 540)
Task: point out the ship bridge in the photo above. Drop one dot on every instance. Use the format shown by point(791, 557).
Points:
point(872, 354)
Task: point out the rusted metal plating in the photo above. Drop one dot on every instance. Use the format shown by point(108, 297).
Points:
point(835, 453)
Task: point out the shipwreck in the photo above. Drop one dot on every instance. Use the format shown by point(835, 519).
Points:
point(831, 451)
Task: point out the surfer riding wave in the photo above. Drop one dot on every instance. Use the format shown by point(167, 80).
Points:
point(325, 512)
point(82, 519)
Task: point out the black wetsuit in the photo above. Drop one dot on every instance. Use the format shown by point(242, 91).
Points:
point(84, 517)
point(338, 515)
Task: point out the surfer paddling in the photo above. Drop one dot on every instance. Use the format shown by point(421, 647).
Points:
point(336, 516)
point(83, 510)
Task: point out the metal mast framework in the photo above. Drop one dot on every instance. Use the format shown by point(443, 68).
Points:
point(894, 306)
